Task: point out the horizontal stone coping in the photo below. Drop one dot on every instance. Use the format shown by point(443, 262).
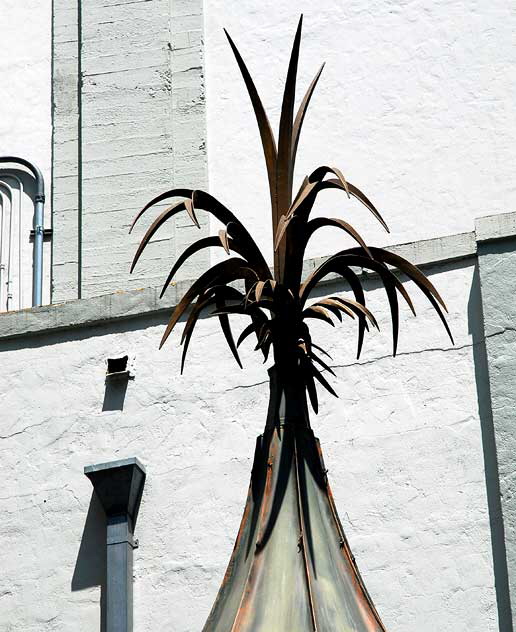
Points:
point(495, 227)
point(122, 305)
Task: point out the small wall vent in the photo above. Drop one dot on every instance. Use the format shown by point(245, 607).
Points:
point(117, 365)
point(119, 368)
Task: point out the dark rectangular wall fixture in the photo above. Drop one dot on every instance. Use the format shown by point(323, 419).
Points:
point(119, 486)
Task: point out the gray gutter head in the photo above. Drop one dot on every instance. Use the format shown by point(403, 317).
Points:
point(119, 485)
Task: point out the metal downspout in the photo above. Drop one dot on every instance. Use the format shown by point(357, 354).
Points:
point(2, 266)
point(8, 195)
point(119, 487)
point(39, 211)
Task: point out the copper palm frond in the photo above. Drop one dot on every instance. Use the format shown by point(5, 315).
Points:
point(277, 302)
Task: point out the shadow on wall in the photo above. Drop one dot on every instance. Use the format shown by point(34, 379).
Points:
point(114, 394)
point(117, 379)
point(476, 329)
point(90, 567)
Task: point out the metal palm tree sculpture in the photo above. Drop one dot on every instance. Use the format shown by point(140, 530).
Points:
point(291, 569)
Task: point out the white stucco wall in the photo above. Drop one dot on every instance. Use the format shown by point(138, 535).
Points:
point(402, 445)
point(25, 73)
point(25, 116)
point(415, 105)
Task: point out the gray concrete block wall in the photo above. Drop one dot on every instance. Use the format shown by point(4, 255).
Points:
point(141, 130)
point(188, 116)
point(65, 149)
point(497, 271)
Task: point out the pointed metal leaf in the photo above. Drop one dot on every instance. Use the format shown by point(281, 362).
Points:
point(224, 240)
point(258, 290)
point(322, 350)
point(318, 312)
point(161, 198)
point(358, 308)
point(333, 222)
point(335, 183)
point(159, 221)
point(300, 116)
point(226, 327)
point(284, 163)
point(322, 363)
point(333, 307)
point(321, 172)
point(320, 377)
point(221, 273)
point(205, 242)
point(247, 332)
point(266, 135)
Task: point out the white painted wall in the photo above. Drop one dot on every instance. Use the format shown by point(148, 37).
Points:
point(402, 445)
point(25, 109)
point(25, 72)
point(415, 105)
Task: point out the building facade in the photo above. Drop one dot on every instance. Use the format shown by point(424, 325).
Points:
point(117, 101)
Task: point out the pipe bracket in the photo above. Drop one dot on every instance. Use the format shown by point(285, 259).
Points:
point(133, 542)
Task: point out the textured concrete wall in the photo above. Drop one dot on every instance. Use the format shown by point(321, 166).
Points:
point(402, 444)
point(66, 150)
point(414, 105)
point(133, 127)
point(497, 271)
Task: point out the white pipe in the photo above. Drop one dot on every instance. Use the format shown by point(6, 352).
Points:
point(20, 278)
point(10, 256)
point(6, 206)
point(20, 205)
point(1, 245)
point(10, 245)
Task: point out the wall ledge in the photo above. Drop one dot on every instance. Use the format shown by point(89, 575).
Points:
point(87, 312)
point(495, 227)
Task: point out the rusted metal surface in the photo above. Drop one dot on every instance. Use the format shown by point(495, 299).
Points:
point(292, 568)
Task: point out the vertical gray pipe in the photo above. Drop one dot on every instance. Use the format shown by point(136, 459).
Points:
point(37, 272)
point(119, 487)
point(39, 209)
point(119, 580)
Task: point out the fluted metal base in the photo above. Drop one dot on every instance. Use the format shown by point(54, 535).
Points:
point(291, 569)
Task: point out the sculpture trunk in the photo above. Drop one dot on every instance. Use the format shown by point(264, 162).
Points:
point(291, 567)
